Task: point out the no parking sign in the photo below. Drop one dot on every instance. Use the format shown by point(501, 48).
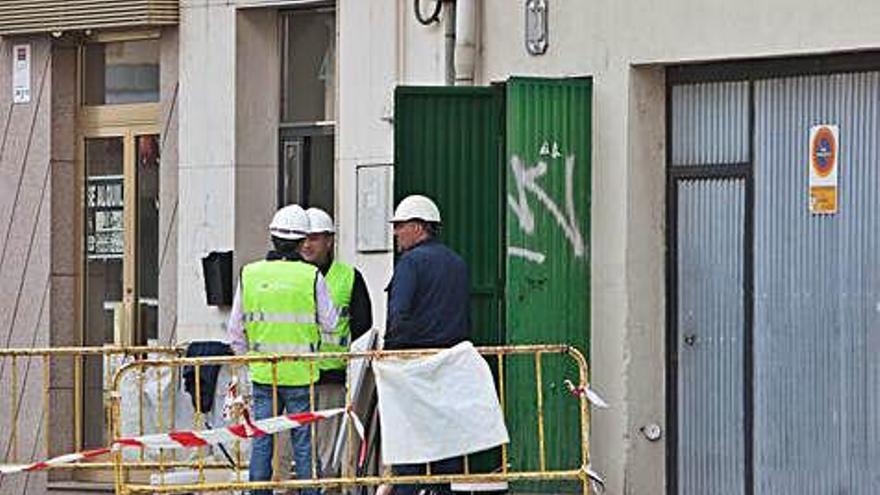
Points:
point(824, 153)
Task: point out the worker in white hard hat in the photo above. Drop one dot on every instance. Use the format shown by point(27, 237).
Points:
point(428, 302)
point(352, 299)
point(281, 306)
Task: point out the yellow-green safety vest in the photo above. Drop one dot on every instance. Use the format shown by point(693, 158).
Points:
point(280, 316)
point(340, 282)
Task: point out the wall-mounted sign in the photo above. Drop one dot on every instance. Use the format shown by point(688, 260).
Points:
point(21, 74)
point(824, 154)
point(374, 195)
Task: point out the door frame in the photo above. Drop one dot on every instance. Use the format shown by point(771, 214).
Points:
point(125, 122)
point(674, 174)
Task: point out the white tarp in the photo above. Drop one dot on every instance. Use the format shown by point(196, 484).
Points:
point(438, 406)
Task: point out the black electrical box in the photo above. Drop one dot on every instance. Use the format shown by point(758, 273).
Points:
point(217, 268)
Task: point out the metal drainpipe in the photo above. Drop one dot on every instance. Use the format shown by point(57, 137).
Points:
point(450, 8)
point(465, 34)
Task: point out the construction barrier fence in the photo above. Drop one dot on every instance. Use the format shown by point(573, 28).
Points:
point(205, 468)
point(56, 400)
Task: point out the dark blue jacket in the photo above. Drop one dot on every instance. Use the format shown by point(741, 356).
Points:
point(428, 299)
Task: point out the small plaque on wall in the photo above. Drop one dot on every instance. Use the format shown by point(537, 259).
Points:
point(536, 27)
point(374, 197)
point(21, 74)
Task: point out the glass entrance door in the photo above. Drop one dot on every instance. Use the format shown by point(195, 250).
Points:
point(148, 239)
point(104, 311)
point(121, 248)
point(121, 239)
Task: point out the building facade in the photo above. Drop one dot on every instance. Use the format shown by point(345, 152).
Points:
point(731, 320)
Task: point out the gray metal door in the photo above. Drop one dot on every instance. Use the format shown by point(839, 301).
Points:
point(709, 189)
point(710, 321)
point(817, 291)
point(775, 311)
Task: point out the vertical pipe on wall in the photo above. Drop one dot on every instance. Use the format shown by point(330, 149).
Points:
point(450, 44)
point(400, 38)
point(465, 51)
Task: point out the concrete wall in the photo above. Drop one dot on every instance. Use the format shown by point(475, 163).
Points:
point(226, 157)
point(369, 64)
point(257, 104)
point(622, 45)
point(643, 349)
point(41, 222)
point(169, 208)
point(222, 193)
point(230, 58)
point(608, 40)
point(219, 153)
point(206, 180)
point(25, 214)
point(65, 234)
point(228, 132)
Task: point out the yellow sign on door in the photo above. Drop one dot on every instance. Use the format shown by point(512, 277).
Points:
point(824, 153)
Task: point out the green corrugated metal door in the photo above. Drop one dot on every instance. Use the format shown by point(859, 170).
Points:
point(510, 170)
point(447, 146)
point(547, 276)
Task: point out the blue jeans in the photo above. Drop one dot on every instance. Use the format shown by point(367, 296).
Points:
point(291, 400)
point(454, 465)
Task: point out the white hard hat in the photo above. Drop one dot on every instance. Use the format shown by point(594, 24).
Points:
point(290, 222)
point(416, 207)
point(320, 222)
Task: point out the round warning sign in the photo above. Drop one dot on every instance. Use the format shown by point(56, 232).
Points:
point(823, 151)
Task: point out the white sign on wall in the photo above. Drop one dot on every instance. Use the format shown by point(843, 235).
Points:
point(21, 74)
point(824, 153)
point(374, 208)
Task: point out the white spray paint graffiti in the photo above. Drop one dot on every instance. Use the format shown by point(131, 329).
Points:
point(526, 181)
point(527, 254)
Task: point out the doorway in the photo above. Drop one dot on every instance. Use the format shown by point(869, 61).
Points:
point(118, 164)
point(772, 381)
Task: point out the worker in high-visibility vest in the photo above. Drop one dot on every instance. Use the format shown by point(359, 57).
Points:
point(281, 306)
point(352, 299)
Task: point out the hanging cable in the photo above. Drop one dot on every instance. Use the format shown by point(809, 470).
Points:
point(435, 16)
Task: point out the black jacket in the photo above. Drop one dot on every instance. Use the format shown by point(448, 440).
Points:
point(428, 299)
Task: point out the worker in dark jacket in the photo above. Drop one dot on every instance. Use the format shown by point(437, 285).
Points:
point(428, 302)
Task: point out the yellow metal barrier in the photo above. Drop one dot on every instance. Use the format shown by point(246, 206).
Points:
point(579, 472)
point(40, 392)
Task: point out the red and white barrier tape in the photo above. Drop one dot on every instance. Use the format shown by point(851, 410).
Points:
point(585, 390)
point(189, 439)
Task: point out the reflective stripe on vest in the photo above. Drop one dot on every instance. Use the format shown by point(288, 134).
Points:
point(281, 348)
point(278, 301)
point(340, 334)
point(279, 317)
point(340, 281)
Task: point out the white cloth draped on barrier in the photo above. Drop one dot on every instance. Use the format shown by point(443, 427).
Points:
point(436, 407)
